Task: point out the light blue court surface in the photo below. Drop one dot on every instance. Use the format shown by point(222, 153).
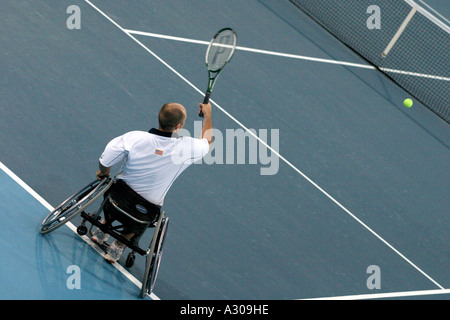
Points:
point(362, 181)
point(35, 266)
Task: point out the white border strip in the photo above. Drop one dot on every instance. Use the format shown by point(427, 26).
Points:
point(27, 188)
point(429, 15)
point(266, 145)
point(386, 295)
point(434, 11)
point(42, 201)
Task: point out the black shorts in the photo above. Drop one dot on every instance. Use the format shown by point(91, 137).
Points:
point(132, 203)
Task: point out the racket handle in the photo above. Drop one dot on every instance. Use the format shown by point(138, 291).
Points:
point(205, 101)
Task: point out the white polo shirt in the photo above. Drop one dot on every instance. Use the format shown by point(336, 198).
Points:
point(154, 160)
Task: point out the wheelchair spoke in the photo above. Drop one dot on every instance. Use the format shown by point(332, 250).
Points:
point(74, 205)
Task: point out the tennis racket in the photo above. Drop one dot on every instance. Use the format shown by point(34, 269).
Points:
point(219, 53)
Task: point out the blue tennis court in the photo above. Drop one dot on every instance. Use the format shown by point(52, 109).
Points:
point(353, 179)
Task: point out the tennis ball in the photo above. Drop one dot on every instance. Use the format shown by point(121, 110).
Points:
point(408, 103)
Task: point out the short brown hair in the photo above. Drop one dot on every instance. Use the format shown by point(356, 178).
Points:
point(169, 116)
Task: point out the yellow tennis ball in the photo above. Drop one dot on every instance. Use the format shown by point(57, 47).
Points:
point(408, 103)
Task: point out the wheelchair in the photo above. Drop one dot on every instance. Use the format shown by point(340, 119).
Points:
point(77, 203)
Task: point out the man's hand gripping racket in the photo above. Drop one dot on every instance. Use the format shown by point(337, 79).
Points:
point(219, 53)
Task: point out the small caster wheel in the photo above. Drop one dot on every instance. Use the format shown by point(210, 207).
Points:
point(82, 230)
point(130, 260)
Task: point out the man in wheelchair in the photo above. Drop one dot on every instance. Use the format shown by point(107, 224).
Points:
point(148, 173)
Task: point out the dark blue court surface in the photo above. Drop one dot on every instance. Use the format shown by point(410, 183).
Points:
point(361, 181)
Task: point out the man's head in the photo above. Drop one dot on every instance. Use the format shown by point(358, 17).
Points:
point(171, 117)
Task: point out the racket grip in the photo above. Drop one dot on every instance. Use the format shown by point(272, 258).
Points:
point(205, 101)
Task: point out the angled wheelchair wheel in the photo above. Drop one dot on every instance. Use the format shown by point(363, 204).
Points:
point(154, 257)
point(75, 204)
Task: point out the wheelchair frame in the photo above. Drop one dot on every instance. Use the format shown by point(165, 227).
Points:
point(78, 202)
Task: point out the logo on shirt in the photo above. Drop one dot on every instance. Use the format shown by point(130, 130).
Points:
point(159, 152)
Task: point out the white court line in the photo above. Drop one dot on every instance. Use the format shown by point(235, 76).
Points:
point(266, 145)
point(415, 74)
point(272, 53)
point(386, 295)
point(49, 207)
point(289, 55)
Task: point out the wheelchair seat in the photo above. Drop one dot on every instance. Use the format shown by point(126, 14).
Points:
point(123, 204)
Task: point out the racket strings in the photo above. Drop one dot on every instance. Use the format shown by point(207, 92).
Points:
point(221, 50)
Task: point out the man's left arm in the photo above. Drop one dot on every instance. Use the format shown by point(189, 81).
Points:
point(115, 152)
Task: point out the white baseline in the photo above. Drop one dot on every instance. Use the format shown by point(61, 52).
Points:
point(386, 295)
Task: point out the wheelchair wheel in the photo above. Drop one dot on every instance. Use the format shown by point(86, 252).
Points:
point(75, 204)
point(154, 257)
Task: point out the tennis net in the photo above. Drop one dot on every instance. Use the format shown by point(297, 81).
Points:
point(409, 44)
